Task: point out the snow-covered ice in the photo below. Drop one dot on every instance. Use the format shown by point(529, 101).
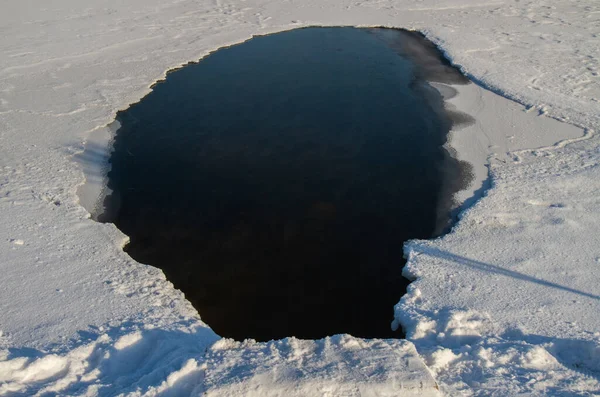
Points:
point(507, 304)
point(502, 301)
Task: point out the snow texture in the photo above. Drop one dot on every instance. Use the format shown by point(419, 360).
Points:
point(507, 304)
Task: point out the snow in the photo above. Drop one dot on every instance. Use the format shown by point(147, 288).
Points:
point(338, 366)
point(507, 304)
point(542, 295)
point(155, 362)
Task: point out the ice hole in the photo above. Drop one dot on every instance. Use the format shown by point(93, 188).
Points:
point(275, 181)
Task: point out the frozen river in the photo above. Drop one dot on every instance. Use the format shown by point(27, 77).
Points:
point(505, 304)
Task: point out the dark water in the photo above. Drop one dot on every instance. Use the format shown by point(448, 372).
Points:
point(275, 182)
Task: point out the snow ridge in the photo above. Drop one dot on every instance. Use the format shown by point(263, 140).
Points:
point(122, 360)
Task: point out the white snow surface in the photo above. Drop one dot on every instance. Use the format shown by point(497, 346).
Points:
point(506, 304)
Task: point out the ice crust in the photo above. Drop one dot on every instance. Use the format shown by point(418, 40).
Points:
point(507, 304)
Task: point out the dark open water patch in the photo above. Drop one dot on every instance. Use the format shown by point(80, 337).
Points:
point(275, 181)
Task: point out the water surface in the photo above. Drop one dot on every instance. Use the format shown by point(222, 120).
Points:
point(275, 182)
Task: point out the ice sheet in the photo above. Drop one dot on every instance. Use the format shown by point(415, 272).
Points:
point(520, 317)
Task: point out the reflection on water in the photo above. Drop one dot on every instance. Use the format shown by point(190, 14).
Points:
point(275, 182)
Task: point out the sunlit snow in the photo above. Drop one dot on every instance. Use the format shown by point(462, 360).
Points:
point(506, 304)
